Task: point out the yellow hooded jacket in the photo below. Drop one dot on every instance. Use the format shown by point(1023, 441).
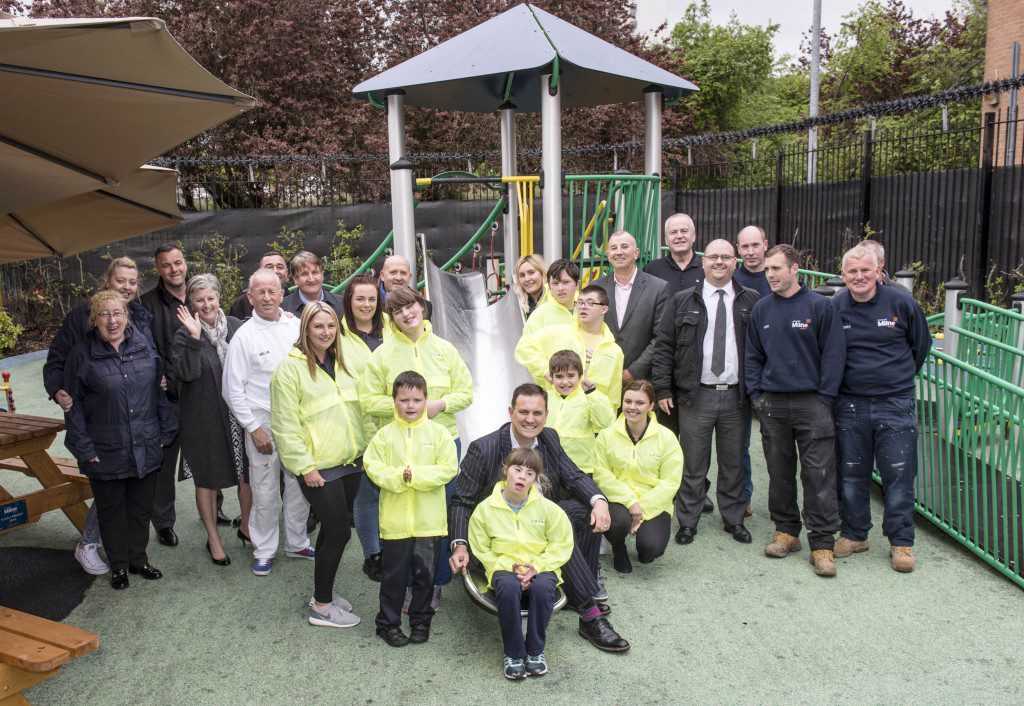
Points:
point(548, 313)
point(577, 418)
point(316, 422)
point(540, 534)
point(357, 356)
point(605, 369)
point(418, 508)
point(432, 357)
point(647, 472)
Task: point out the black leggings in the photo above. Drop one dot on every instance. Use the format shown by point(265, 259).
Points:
point(332, 503)
point(651, 538)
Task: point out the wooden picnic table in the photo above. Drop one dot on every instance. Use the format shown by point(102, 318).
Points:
point(24, 440)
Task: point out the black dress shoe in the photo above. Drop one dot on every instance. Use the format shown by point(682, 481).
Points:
point(146, 571)
point(739, 533)
point(602, 636)
point(621, 562)
point(419, 634)
point(167, 537)
point(708, 505)
point(685, 535)
point(226, 561)
point(223, 519)
point(393, 635)
point(119, 580)
point(371, 567)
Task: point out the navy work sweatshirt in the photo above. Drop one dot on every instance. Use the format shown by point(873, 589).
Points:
point(794, 344)
point(758, 281)
point(887, 342)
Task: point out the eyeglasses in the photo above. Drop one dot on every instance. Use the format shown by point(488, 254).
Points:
point(717, 258)
point(112, 315)
point(588, 304)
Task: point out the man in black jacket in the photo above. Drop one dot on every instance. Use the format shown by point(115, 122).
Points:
point(698, 365)
point(162, 301)
point(573, 490)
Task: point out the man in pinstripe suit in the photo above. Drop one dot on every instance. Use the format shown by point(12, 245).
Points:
point(572, 489)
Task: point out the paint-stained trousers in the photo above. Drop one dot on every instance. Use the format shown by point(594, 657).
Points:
point(800, 421)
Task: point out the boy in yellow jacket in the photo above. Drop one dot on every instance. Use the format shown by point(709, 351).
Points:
point(589, 337)
point(411, 460)
point(522, 539)
point(577, 410)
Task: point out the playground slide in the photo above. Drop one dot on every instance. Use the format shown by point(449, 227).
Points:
point(485, 337)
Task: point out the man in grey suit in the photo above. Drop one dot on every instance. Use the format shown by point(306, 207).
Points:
point(635, 302)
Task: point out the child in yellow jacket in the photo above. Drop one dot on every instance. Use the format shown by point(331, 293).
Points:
point(577, 410)
point(638, 466)
point(522, 539)
point(411, 460)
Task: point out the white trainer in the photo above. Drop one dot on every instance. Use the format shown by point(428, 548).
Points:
point(333, 617)
point(89, 557)
point(338, 601)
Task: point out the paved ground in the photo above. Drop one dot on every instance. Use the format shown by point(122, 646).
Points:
point(713, 622)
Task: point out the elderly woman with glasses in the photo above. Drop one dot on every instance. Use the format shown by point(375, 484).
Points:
point(118, 422)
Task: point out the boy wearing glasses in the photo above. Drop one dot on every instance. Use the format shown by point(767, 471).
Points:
point(588, 336)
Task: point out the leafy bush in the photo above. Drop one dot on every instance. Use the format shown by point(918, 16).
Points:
point(342, 260)
point(216, 256)
point(9, 332)
point(288, 243)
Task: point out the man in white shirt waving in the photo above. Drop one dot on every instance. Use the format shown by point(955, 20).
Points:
point(698, 365)
point(253, 354)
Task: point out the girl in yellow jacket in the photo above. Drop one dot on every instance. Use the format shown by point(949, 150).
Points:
point(555, 307)
point(638, 466)
point(319, 433)
point(522, 539)
point(411, 460)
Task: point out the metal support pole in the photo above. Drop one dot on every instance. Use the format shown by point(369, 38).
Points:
point(988, 146)
point(652, 153)
point(905, 278)
point(551, 164)
point(867, 168)
point(955, 289)
point(402, 218)
point(812, 134)
point(510, 221)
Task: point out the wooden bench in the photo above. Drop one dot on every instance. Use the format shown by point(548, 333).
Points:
point(33, 649)
point(67, 466)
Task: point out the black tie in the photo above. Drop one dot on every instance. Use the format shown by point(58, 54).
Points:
point(718, 347)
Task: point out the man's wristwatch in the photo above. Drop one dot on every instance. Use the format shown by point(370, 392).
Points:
point(456, 543)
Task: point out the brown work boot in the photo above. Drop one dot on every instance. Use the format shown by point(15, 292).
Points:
point(781, 545)
point(902, 559)
point(845, 547)
point(824, 562)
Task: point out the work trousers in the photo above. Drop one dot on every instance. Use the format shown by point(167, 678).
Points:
point(651, 537)
point(265, 478)
point(399, 557)
point(367, 516)
point(792, 421)
point(122, 508)
point(722, 415)
point(163, 514)
point(876, 432)
point(332, 503)
point(540, 597)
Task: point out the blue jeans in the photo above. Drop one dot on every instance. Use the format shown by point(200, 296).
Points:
point(91, 533)
point(367, 517)
point(876, 432)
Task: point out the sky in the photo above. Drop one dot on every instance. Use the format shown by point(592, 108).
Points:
point(794, 16)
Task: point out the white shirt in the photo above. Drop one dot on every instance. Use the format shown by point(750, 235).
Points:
point(622, 292)
point(515, 442)
point(253, 354)
point(731, 374)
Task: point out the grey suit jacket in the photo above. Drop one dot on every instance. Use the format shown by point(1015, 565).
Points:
point(640, 324)
point(294, 304)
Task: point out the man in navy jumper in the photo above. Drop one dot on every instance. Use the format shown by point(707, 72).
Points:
point(887, 342)
point(793, 365)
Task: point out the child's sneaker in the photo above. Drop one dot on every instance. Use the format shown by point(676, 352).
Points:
point(514, 669)
point(333, 617)
point(307, 553)
point(536, 666)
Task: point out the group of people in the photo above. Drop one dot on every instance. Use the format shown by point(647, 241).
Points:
point(341, 410)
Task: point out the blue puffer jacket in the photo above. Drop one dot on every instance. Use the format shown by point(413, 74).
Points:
point(73, 330)
point(119, 413)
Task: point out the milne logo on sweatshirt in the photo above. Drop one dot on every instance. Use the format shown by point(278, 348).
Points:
point(888, 323)
point(797, 323)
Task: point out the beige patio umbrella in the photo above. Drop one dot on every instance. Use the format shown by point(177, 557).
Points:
point(142, 202)
point(84, 102)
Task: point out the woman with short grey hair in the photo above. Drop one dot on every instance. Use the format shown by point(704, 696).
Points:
point(212, 441)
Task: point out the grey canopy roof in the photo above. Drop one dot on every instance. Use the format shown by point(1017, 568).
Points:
point(470, 72)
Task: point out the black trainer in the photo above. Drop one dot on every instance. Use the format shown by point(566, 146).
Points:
point(419, 634)
point(393, 635)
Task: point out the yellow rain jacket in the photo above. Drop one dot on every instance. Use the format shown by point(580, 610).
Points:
point(540, 534)
point(316, 423)
point(548, 313)
point(432, 357)
point(647, 472)
point(605, 369)
point(415, 509)
point(357, 356)
point(577, 418)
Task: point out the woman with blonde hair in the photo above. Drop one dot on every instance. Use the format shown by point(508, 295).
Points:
point(320, 436)
point(529, 282)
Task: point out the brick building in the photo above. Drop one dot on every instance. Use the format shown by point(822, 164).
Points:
point(1005, 26)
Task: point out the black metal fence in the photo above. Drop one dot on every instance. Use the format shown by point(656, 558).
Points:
point(947, 199)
